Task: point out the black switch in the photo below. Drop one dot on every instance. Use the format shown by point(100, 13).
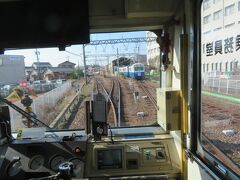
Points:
point(160, 155)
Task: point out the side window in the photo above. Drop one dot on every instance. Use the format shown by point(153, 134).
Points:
point(220, 89)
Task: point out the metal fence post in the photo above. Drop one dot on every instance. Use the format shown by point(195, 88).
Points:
point(219, 84)
point(227, 85)
point(213, 84)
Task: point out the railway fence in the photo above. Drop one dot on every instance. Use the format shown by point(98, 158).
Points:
point(228, 86)
point(49, 99)
point(65, 118)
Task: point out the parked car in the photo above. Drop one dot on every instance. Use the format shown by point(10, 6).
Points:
point(9, 87)
point(1, 86)
point(40, 82)
point(61, 81)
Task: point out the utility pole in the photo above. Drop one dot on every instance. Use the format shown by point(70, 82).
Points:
point(37, 53)
point(117, 63)
point(38, 63)
point(78, 71)
point(108, 64)
point(84, 61)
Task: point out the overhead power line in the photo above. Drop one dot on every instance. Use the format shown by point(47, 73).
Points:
point(124, 40)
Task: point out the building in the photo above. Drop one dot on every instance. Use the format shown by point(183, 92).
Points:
point(12, 69)
point(39, 69)
point(67, 64)
point(220, 38)
point(62, 71)
point(141, 58)
point(28, 71)
point(153, 51)
point(57, 73)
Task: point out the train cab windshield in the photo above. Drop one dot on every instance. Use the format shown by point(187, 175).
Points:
point(58, 82)
point(123, 89)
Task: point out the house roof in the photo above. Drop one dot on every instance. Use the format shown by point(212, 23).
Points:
point(59, 69)
point(67, 62)
point(42, 64)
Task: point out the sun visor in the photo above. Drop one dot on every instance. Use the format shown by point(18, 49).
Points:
point(43, 23)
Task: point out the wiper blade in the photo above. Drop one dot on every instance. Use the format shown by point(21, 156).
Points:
point(24, 113)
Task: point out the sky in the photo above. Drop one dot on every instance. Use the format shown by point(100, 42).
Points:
point(55, 57)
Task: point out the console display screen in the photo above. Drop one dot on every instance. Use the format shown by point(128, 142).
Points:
point(109, 159)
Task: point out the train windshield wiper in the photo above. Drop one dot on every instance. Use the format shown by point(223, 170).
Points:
point(27, 115)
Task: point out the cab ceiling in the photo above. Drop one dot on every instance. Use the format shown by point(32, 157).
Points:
point(130, 15)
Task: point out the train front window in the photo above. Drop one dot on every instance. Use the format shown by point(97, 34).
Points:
point(220, 86)
point(138, 68)
point(58, 82)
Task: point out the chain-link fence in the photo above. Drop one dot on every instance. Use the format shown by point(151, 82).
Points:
point(41, 105)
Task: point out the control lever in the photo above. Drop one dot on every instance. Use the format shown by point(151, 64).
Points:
point(66, 170)
point(65, 173)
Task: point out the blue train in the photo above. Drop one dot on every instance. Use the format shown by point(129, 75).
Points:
point(135, 71)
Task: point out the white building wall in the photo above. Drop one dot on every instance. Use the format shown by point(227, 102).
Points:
point(152, 47)
point(225, 27)
point(12, 69)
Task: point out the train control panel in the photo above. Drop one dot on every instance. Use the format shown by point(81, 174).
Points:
point(80, 156)
point(34, 158)
point(133, 157)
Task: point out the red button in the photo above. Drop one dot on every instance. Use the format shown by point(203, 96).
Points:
point(77, 150)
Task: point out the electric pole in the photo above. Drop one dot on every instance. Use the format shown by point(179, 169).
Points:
point(38, 63)
point(84, 61)
point(117, 63)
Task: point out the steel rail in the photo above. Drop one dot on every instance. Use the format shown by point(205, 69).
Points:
point(111, 102)
point(150, 96)
point(214, 150)
point(116, 83)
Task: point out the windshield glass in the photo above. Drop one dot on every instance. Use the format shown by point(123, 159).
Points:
point(139, 68)
point(220, 70)
point(55, 81)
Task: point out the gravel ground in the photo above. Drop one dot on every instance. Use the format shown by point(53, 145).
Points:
point(219, 115)
point(130, 105)
point(79, 121)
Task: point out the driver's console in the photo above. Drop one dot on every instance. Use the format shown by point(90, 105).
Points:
point(133, 157)
point(127, 153)
point(29, 158)
point(123, 157)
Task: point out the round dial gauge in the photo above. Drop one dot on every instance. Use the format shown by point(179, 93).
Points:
point(56, 161)
point(14, 168)
point(36, 162)
point(77, 166)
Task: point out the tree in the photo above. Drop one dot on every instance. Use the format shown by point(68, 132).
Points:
point(77, 73)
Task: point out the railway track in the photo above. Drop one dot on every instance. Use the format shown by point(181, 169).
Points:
point(152, 99)
point(220, 114)
point(214, 150)
point(115, 95)
point(113, 98)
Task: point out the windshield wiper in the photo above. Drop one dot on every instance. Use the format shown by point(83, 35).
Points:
point(25, 114)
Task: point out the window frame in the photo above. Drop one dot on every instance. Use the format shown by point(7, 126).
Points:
point(229, 10)
point(207, 19)
point(217, 15)
point(205, 159)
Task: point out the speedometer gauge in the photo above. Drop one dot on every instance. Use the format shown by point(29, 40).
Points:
point(36, 162)
point(56, 161)
point(14, 168)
